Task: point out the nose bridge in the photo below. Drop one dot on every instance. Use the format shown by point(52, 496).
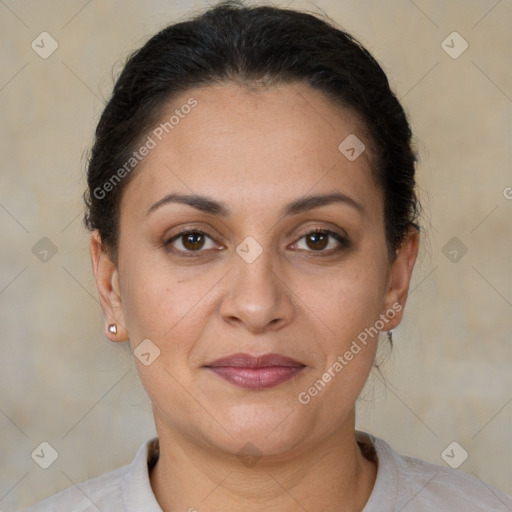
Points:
point(256, 296)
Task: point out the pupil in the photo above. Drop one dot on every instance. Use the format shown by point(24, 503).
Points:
point(319, 240)
point(192, 240)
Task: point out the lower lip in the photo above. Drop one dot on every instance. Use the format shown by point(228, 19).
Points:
point(256, 378)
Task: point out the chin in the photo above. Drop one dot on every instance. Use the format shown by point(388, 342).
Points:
point(268, 430)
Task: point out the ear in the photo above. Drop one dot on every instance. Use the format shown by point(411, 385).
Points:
point(107, 282)
point(400, 277)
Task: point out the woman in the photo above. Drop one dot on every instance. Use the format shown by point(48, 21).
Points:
point(254, 229)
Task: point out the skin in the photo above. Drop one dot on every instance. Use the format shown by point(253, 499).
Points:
point(255, 150)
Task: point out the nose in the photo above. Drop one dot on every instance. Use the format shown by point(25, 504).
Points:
point(258, 297)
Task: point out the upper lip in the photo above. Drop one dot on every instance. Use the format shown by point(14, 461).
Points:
point(247, 361)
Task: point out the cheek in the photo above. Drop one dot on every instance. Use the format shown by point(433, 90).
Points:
point(349, 299)
point(345, 309)
point(345, 313)
point(162, 303)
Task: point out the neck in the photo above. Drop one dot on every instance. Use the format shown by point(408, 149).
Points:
point(331, 475)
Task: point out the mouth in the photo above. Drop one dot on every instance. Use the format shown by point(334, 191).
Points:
point(252, 372)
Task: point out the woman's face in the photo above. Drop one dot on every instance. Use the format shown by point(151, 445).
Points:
point(253, 174)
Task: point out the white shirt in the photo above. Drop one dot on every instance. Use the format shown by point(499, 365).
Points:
point(404, 484)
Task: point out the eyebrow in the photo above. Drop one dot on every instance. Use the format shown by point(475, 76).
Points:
point(207, 205)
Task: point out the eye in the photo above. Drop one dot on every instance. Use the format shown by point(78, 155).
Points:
point(320, 239)
point(189, 241)
point(192, 241)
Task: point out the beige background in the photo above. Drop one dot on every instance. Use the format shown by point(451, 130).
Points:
point(449, 377)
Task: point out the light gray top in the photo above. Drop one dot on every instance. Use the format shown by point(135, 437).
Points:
point(404, 484)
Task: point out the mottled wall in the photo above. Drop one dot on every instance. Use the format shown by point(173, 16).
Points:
point(449, 377)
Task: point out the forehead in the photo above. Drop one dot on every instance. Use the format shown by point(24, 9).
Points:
point(261, 143)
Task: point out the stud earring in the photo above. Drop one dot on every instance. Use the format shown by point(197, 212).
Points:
point(112, 328)
point(390, 337)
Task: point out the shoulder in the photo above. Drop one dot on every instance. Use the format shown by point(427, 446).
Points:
point(98, 493)
point(125, 488)
point(417, 485)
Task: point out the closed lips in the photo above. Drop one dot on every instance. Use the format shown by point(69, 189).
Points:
point(256, 372)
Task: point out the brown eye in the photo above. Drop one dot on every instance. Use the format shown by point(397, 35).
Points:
point(193, 241)
point(190, 241)
point(321, 239)
point(317, 240)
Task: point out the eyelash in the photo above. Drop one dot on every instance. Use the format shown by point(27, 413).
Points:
point(343, 241)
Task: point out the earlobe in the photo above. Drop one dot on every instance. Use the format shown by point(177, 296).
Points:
point(400, 277)
point(106, 277)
